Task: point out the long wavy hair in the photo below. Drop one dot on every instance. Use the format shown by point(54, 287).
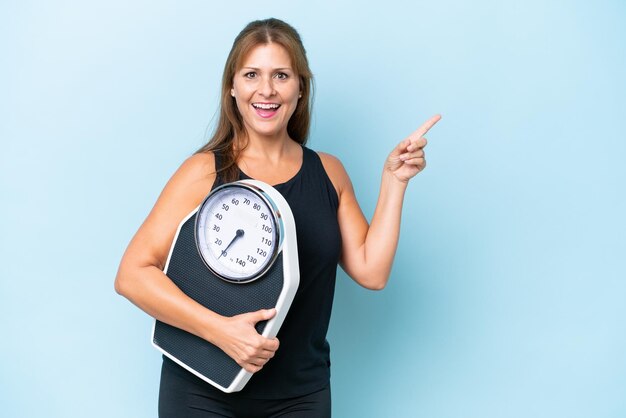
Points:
point(230, 124)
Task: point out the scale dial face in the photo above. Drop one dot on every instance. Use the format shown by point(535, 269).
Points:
point(238, 232)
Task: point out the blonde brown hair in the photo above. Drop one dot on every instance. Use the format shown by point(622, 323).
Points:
point(229, 124)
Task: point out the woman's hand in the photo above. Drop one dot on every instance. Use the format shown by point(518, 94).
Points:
point(241, 341)
point(408, 158)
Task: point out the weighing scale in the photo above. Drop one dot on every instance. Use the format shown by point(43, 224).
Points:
point(235, 253)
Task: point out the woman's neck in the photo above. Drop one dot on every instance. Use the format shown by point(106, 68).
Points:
point(271, 160)
point(267, 148)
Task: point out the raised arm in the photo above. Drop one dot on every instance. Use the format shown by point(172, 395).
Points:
point(140, 276)
point(368, 250)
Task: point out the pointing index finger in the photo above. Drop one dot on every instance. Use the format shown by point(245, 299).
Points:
point(421, 131)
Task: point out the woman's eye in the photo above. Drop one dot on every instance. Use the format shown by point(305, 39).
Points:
point(251, 74)
point(281, 76)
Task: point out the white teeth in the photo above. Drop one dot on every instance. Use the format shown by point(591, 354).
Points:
point(266, 106)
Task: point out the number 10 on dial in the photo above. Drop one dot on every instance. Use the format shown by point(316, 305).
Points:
point(238, 232)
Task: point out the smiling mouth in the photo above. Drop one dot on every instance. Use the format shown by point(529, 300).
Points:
point(266, 106)
point(266, 110)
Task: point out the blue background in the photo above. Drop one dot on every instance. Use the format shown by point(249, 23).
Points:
point(507, 295)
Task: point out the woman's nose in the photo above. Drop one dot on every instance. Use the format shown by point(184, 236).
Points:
point(267, 87)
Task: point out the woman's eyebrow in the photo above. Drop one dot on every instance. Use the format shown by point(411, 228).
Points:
point(273, 69)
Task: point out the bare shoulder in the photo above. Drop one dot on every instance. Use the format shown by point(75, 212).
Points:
point(197, 167)
point(328, 158)
point(184, 191)
point(336, 171)
point(192, 181)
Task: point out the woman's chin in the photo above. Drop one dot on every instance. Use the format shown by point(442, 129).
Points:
point(268, 132)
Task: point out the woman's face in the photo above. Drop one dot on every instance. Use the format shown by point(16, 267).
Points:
point(267, 90)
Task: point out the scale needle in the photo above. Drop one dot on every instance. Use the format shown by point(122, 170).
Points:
point(238, 234)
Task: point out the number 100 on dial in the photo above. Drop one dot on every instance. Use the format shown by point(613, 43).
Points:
point(238, 232)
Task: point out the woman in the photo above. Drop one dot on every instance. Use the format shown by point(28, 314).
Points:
point(261, 132)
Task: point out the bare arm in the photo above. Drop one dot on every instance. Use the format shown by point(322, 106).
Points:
point(140, 276)
point(368, 250)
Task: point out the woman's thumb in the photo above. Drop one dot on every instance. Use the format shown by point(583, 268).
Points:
point(263, 314)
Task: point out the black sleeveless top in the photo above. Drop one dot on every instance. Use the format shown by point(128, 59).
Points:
point(302, 363)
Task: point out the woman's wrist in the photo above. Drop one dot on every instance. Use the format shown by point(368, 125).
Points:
point(209, 326)
point(392, 183)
